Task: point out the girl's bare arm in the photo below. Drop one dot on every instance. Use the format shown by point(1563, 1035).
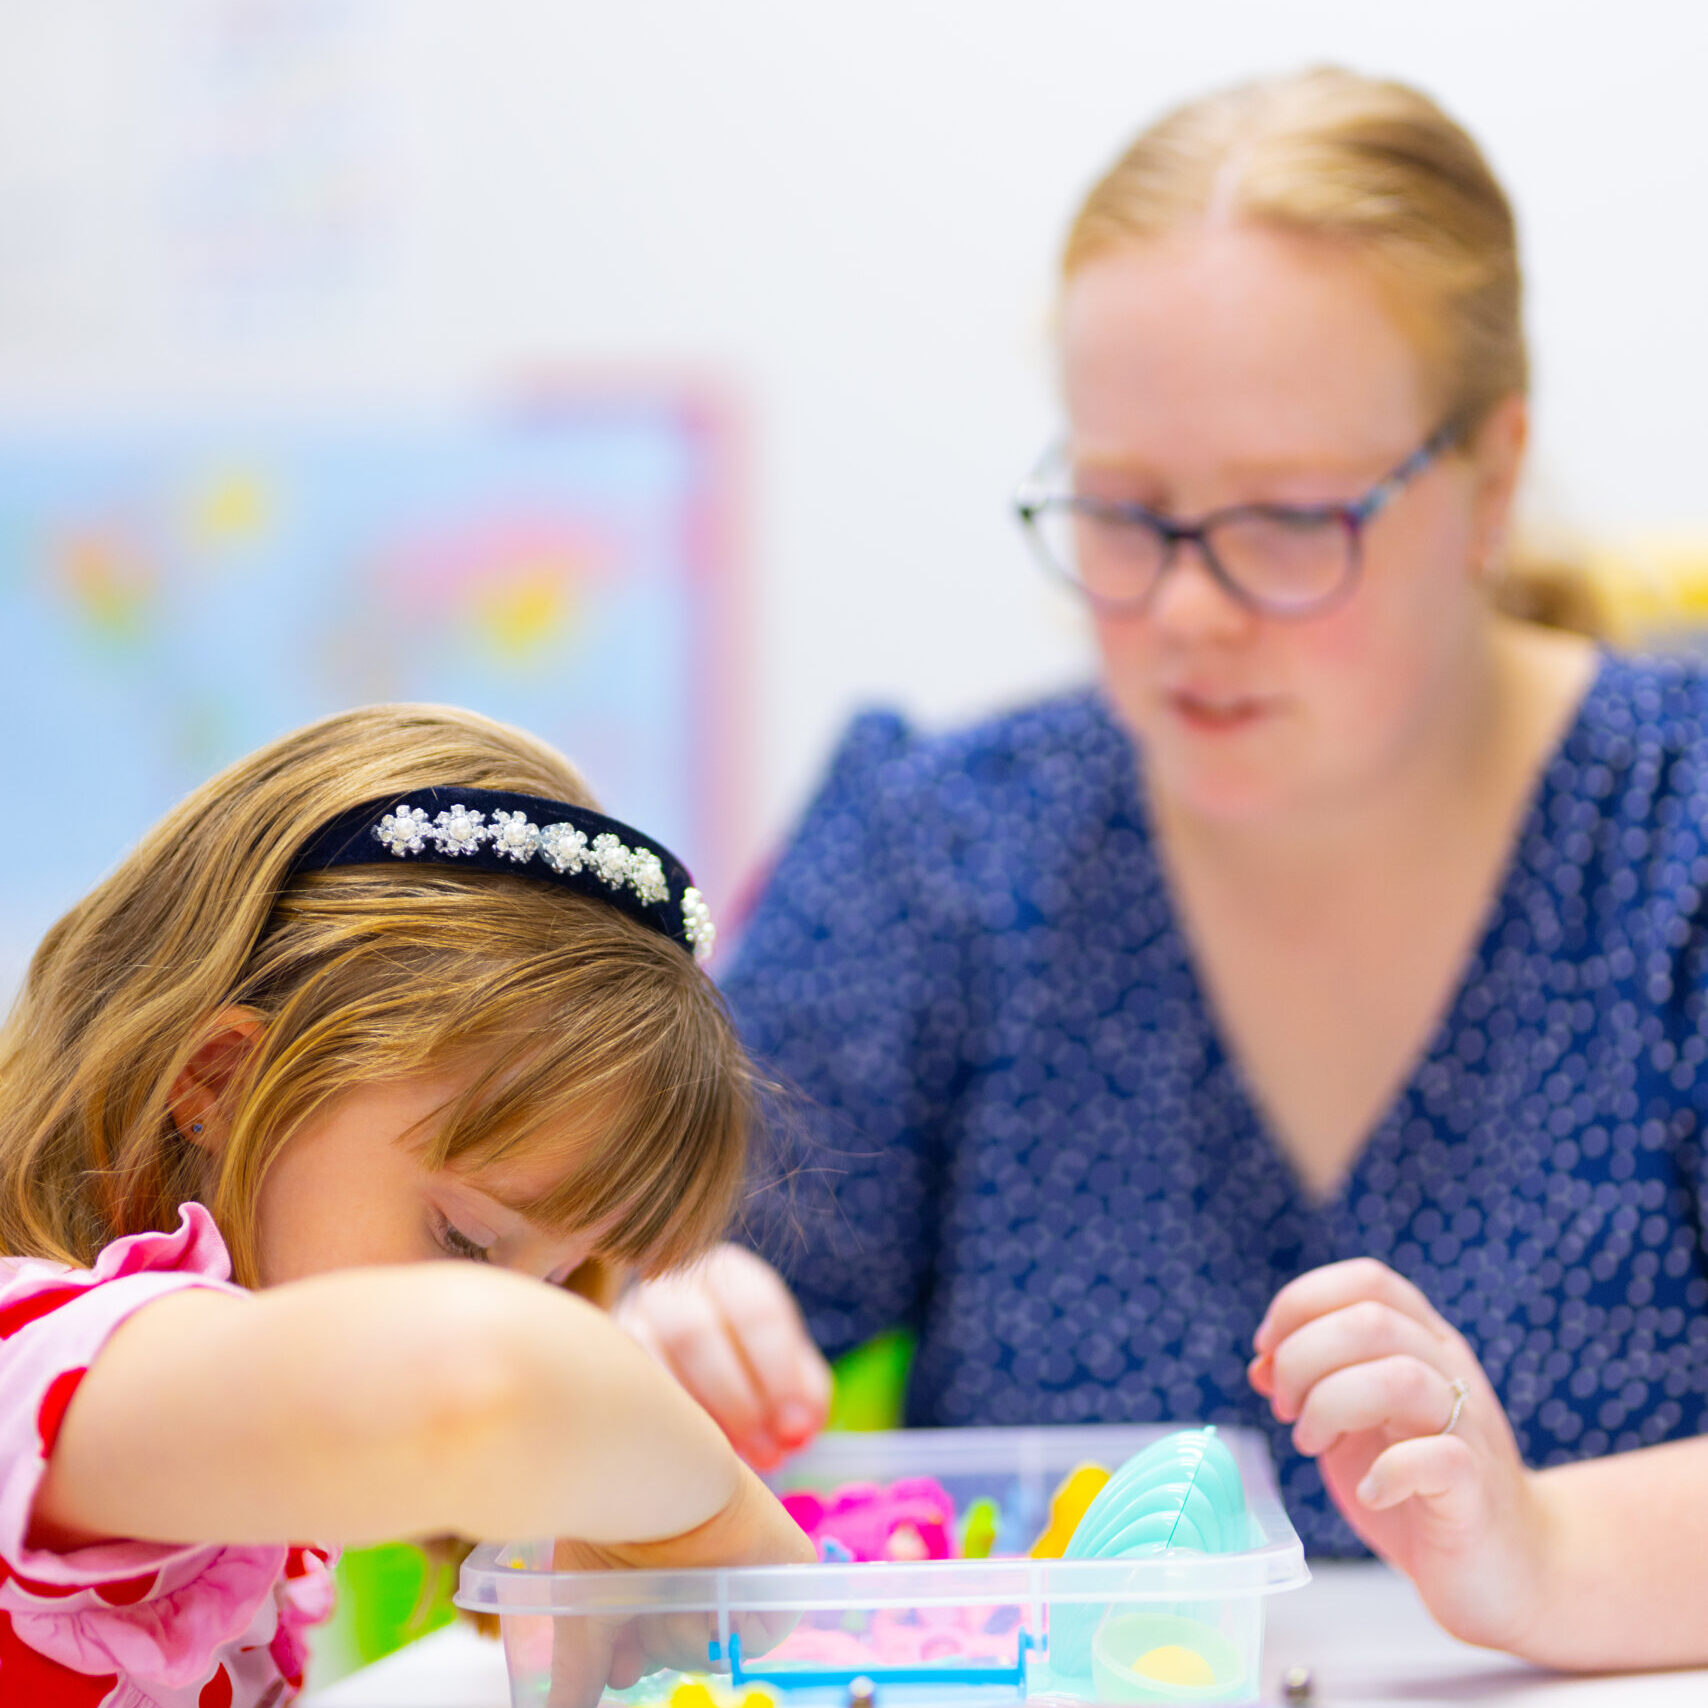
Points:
point(386, 1402)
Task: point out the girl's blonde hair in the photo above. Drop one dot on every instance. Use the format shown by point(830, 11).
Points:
point(1379, 168)
point(556, 1013)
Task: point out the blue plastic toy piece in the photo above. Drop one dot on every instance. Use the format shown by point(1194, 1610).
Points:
point(1183, 1491)
point(818, 1678)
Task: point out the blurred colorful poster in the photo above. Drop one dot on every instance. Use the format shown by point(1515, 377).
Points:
point(171, 599)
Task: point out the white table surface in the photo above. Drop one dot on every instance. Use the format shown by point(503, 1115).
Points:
point(1359, 1628)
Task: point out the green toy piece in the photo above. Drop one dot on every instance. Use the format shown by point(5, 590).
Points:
point(387, 1596)
point(871, 1382)
point(1137, 1656)
point(978, 1533)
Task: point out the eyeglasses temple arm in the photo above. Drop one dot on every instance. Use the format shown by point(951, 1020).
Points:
point(1420, 459)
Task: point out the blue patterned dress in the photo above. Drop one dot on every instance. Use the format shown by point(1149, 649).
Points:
point(1024, 1138)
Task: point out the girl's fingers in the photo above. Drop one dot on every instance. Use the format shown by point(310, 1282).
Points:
point(1335, 1286)
point(1354, 1334)
point(1439, 1469)
point(1400, 1394)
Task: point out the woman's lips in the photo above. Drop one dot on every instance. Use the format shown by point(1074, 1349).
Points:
point(1217, 714)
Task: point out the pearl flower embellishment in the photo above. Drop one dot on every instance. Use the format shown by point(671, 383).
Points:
point(460, 830)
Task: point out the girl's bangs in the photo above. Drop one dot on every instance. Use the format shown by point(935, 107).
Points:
point(650, 1122)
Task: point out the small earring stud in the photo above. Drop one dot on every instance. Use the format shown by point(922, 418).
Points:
point(195, 1126)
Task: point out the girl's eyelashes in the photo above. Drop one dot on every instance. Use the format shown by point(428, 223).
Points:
point(456, 1243)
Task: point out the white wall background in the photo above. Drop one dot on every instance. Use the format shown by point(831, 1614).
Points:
point(844, 215)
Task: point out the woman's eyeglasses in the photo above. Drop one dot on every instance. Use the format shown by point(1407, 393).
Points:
point(1288, 560)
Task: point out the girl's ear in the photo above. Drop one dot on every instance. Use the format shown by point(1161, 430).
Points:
point(198, 1093)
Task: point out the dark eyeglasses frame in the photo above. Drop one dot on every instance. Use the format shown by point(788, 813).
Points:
point(1031, 502)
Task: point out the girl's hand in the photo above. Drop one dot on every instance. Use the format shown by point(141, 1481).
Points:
point(730, 1332)
point(1362, 1366)
point(751, 1530)
point(591, 1653)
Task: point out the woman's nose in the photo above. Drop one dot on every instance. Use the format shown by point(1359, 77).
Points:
point(1191, 602)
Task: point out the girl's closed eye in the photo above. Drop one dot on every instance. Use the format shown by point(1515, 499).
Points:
point(455, 1243)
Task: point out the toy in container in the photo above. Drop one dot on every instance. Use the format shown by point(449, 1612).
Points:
point(928, 1587)
point(911, 1519)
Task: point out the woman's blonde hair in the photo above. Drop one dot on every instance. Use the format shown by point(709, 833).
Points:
point(1379, 168)
point(1373, 165)
point(557, 1013)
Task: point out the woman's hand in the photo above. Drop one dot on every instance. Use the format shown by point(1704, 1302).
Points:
point(730, 1332)
point(1363, 1367)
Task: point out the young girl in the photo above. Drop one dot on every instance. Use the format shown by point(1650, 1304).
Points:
point(380, 1030)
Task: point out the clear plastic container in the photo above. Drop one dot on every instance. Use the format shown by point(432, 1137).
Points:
point(1169, 1627)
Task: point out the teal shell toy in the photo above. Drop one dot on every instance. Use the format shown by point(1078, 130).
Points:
point(1183, 1492)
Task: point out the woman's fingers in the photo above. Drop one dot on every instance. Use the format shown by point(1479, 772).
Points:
point(1356, 1333)
point(792, 1378)
point(1372, 1379)
point(730, 1332)
point(1335, 1286)
point(1399, 1394)
point(1438, 1469)
point(677, 1319)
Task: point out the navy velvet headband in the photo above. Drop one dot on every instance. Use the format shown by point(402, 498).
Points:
point(490, 830)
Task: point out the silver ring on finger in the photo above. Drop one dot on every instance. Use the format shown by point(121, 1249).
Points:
point(1460, 1389)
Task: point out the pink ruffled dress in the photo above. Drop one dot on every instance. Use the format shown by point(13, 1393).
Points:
point(129, 1624)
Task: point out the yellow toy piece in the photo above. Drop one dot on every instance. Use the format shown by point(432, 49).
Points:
point(1077, 1491)
point(1174, 1663)
point(691, 1693)
point(701, 1693)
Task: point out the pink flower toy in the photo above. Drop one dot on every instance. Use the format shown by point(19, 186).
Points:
point(912, 1519)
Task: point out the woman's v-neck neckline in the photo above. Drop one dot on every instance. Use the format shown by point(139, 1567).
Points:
point(1266, 1148)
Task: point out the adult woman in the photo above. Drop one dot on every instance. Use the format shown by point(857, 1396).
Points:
point(1351, 933)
